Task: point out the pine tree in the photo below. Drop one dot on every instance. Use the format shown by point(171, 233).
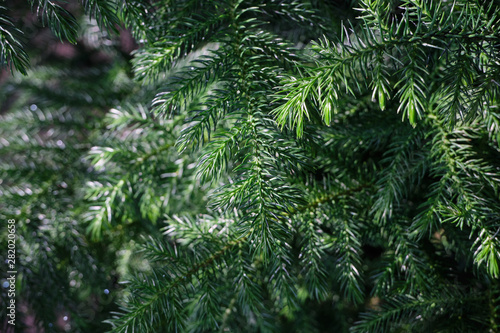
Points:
point(294, 165)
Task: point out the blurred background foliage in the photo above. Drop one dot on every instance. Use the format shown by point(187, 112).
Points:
point(50, 119)
point(229, 161)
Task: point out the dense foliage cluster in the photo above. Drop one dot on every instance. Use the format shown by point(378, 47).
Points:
point(254, 166)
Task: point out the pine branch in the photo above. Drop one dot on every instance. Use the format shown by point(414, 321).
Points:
point(62, 23)
point(160, 294)
point(105, 12)
point(402, 312)
point(12, 53)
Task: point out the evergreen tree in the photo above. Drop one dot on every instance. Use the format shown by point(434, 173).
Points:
point(291, 165)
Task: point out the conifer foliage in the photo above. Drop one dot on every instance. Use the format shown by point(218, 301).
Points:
point(291, 165)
